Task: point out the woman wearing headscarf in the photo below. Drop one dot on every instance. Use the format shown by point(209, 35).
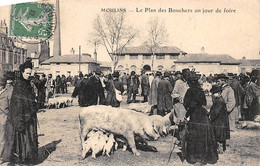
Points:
point(201, 146)
point(21, 144)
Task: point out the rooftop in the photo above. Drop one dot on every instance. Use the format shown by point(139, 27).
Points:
point(250, 62)
point(145, 50)
point(208, 58)
point(69, 59)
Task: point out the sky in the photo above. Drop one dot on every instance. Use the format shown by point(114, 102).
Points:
point(235, 33)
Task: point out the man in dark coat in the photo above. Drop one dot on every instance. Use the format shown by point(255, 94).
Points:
point(78, 91)
point(132, 87)
point(164, 99)
point(238, 92)
point(42, 91)
point(95, 90)
point(145, 85)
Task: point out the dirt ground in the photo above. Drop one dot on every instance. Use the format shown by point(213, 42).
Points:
point(60, 145)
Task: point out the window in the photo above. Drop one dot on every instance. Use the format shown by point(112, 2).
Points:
point(15, 58)
point(133, 68)
point(57, 73)
point(147, 56)
point(18, 59)
point(57, 63)
point(10, 58)
point(160, 67)
point(68, 73)
point(120, 67)
point(3, 57)
point(173, 56)
point(133, 56)
point(160, 56)
point(68, 63)
point(173, 68)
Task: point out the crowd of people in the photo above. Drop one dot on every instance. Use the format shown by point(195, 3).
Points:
point(234, 98)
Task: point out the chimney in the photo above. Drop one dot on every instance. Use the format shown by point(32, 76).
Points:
point(56, 36)
point(95, 56)
point(202, 50)
point(95, 51)
point(72, 51)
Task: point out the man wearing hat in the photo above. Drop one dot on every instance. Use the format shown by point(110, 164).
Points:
point(164, 99)
point(117, 82)
point(181, 86)
point(96, 90)
point(132, 87)
point(238, 92)
point(153, 93)
point(252, 96)
point(145, 85)
point(50, 84)
point(229, 98)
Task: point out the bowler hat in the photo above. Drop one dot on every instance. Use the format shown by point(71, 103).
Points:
point(192, 76)
point(80, 74)
point(185, 71)
point(116, 74)
point(177, 72)
point(220, 76)
point(215, 89)
point(255, 73)
point(167, 74)
point(158, 73)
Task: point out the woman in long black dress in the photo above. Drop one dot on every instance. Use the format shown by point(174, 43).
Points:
point(21, 144)
point(219, 117)
point(201, 146)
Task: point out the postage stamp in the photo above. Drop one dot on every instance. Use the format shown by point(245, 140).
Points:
point(32, 20)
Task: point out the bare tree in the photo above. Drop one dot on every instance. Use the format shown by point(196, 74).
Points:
point(156, 35)
point(112, 32)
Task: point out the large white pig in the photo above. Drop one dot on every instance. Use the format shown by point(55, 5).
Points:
point(120, 121)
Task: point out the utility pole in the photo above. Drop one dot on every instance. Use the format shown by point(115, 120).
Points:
point(79, 58)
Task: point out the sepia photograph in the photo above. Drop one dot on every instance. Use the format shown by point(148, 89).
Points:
point(138, 83)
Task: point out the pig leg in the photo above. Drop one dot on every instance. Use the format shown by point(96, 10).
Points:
point(94, 153)
point(124, 147)
point(131, 142)
point(85, 150)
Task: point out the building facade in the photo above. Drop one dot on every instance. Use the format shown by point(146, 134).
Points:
point(247, 65)
point(138, 58)
point(68, 65)
point(209, 63)
point(11, 56)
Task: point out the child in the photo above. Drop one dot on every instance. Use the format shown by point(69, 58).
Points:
point(219, 117)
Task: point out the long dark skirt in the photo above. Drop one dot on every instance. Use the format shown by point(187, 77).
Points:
point(21, 147)
point(201, 145)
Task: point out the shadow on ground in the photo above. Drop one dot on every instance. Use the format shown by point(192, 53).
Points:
point(46, 150)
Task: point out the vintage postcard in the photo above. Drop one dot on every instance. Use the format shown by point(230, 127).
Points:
point(74, 52)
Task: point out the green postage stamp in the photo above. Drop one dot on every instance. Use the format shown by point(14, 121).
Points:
point(32, 20)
